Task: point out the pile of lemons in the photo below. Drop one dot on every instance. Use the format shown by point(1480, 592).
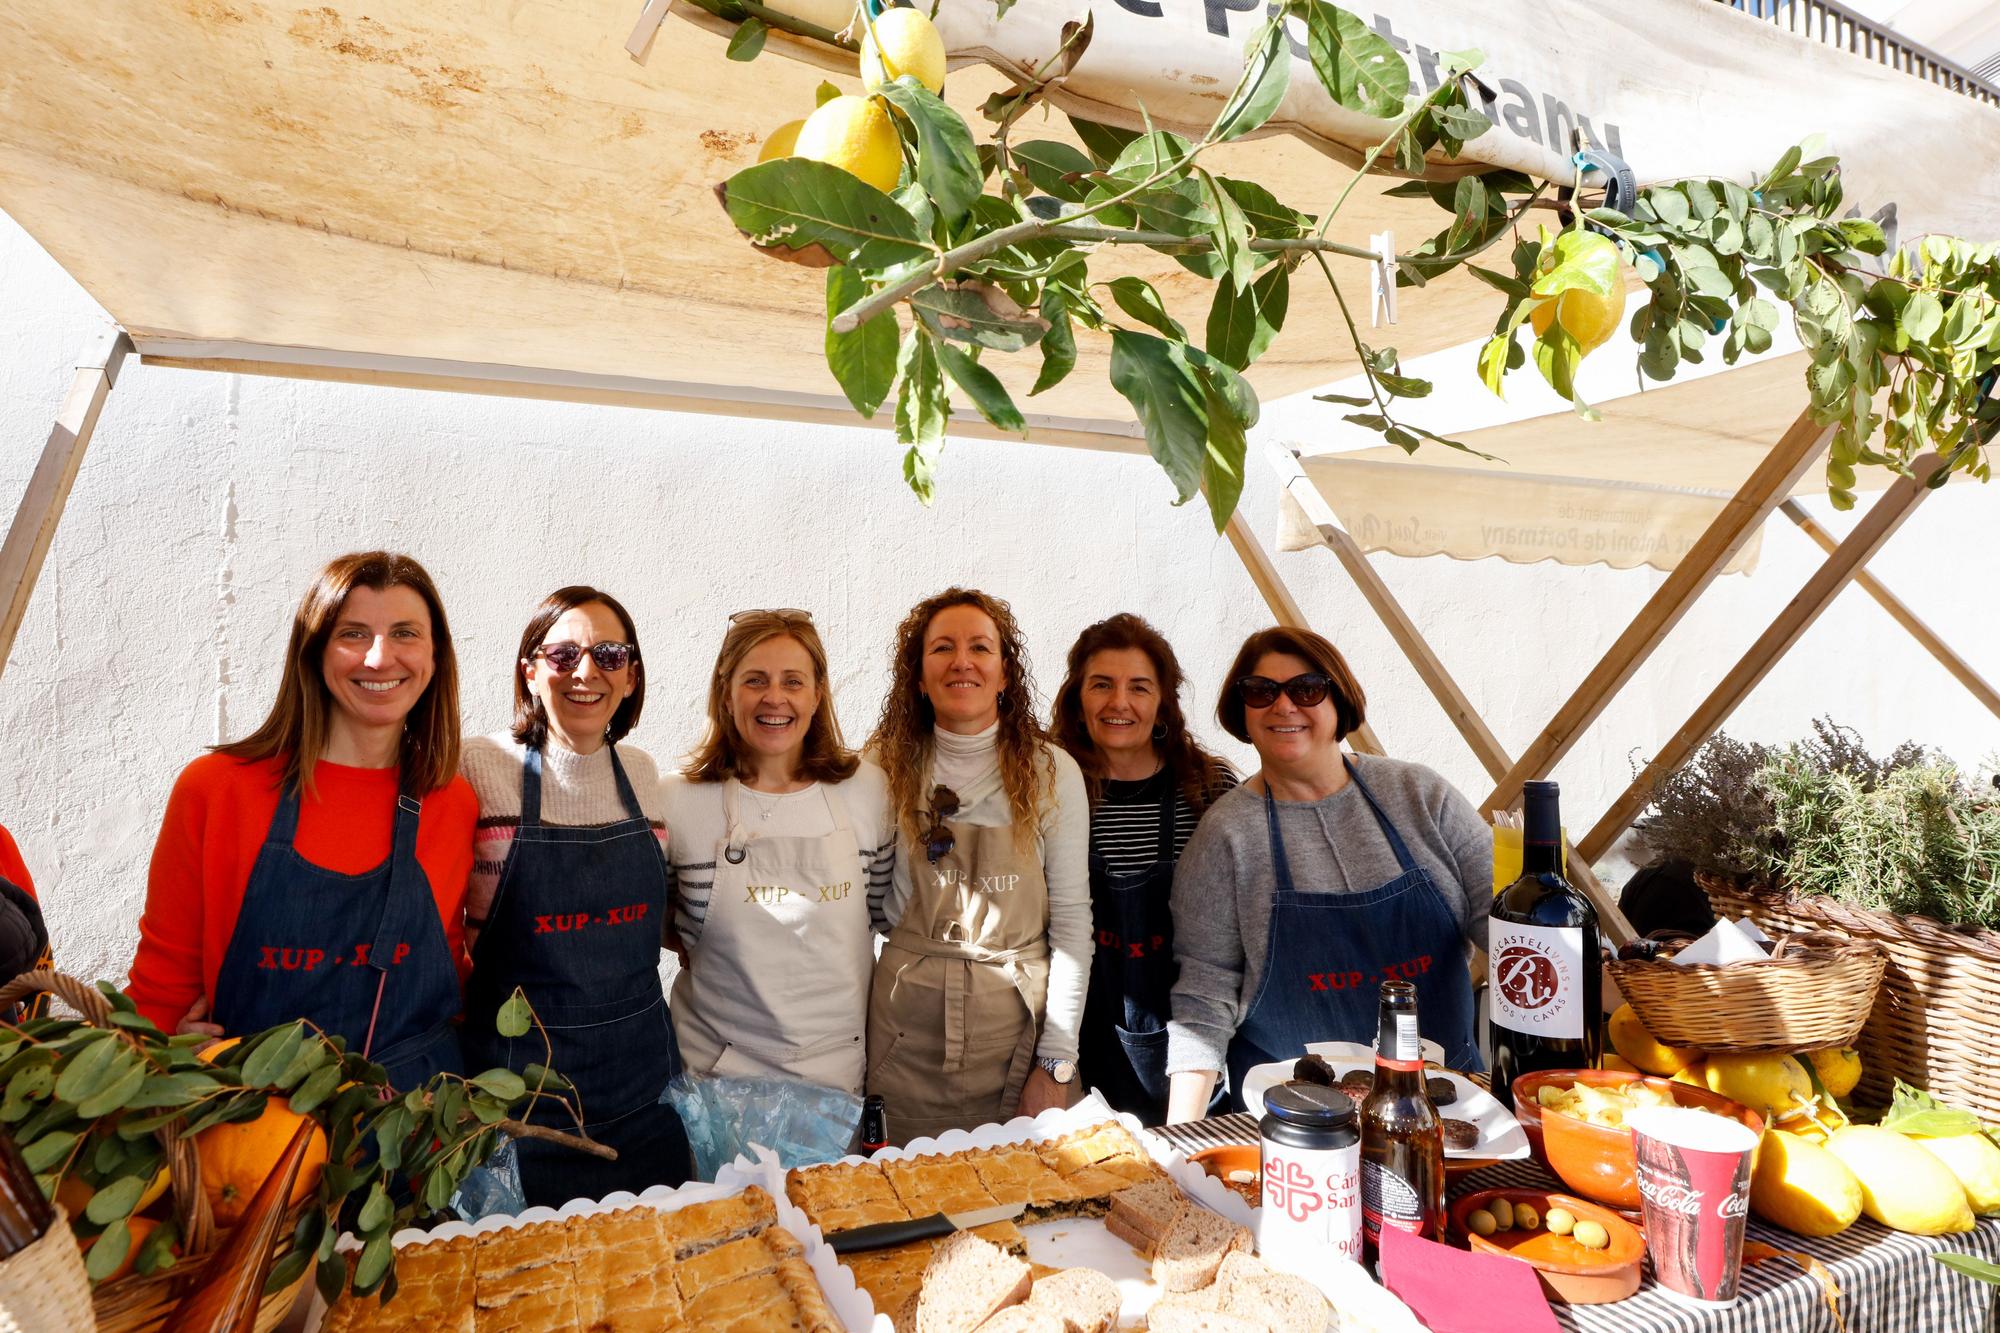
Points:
point(1816, 1172)
point(856, 133)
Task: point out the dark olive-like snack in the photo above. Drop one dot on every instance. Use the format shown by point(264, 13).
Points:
point(1315, 1069)
point(1460, 1134)
point(1357, 1083)
point(1442, 1091)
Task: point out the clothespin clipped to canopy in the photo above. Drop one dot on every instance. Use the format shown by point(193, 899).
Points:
point(1382, 279)
point(648, 26)
point(1621, 184)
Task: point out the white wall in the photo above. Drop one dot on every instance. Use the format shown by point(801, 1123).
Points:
point(206, 504)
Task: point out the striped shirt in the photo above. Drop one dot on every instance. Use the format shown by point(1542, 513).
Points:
point(1125, 823)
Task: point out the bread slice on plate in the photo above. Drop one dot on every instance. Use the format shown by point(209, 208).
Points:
point(1022, 1319)
point(1181, 1319)
point(1082, 1299)
point(1140, 1215)
point(1191, 1252)
point(1251, 1289)
point(966, 1283)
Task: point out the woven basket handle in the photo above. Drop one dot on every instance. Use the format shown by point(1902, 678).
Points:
point(1812, 940)
point(81, 996)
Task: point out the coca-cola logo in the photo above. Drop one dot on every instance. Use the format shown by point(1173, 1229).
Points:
point(1675, 1198)
point(1527, 978)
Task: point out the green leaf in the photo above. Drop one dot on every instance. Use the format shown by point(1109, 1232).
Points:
point(1863, 235)
point(109, 1251)
point(1103, 142)
point(289, 1268)
point(1058, 344)
point(922, 408)
point(505, 1084)
point(1055, 168)
point(1231, 235)
point(376, 1209)
point(129, 1073)
point(1921, 317)
point(794, 203)
point(318, 1086)
point(45, 1153)
point(977, 313)
point(330, 1277)
point(947, 162)
point(515, 1016)
point(747, 41)
point(546, 1078)
point(825, 93)
point(863, 361)
point(983, 388)
point(373, 1265)
point(156, 1253)
point(117, 1199)
point(1584, 261)
point(1356, 64)
point(272, 1055)
point(1270, 219)
point(1168, 402)
point(1242, 323)
point(1970, 1265)
point(1345, 399)
point(1262, 87)
point(87, 1074)
point(1137, 298)
point(1514, 288)
point(1227, 447)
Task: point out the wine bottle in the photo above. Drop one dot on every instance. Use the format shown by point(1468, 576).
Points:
point(874, 1125)
point(1402, 1139)
point(24, 1213)
point(1544, 992)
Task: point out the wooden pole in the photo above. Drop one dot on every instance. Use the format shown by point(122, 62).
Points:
point(48, 486)
point(1960, 669)
point(1891, 508)
point(1795, 451)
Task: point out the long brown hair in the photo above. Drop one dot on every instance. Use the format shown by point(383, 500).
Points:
point(1350, 705)
point(531, 720)
point(904, 737)
point(720, 755)
point(296, 727)
point(1198, 774)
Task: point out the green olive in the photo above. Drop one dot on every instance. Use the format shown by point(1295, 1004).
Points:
point(1480, 1222)
point(1503, 1214)
point(1560, 1221)
point(1526, 1217)
point(1591, 1235)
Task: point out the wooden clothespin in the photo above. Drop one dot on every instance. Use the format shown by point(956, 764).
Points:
point(648, 26)
point(1382, 279)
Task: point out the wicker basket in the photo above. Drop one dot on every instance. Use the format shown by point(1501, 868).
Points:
point(44, 1286)
point(140, 1303)
point(1814, 990)
point(1936, 1022)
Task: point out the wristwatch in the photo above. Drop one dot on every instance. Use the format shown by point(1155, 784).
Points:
point(1062, 1071)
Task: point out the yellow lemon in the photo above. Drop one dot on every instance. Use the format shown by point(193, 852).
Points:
point(1838, 1069)
point(833, 15)
point(1631, 1040)
point(856, 135)
point(1585, 316)
point(781, 141)
point(1976, 1163)
point(1803, 1187)
point(1775, 1085)
point(1694, 1075)
point(1617, 1062)
point(899, 42)
point(1902, 1186)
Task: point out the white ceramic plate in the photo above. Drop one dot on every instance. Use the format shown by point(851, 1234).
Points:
point(1500, 1135)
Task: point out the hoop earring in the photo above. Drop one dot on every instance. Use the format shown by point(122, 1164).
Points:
point(1159, 731)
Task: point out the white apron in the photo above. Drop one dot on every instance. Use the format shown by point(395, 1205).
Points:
point(777, 986)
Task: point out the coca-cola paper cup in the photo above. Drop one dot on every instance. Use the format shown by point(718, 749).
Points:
point(1694, 1191)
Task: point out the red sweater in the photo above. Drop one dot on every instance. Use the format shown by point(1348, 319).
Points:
point(13, 869)
point(216, 821)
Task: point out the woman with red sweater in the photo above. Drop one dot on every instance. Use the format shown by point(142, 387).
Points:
point(317, 868)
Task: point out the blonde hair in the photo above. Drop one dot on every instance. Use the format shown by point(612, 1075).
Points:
point(720, 755)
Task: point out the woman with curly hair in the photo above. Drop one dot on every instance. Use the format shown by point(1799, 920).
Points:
point(978, 994)
point(1118, 714)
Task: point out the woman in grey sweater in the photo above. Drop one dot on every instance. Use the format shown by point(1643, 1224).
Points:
point(1321, 877)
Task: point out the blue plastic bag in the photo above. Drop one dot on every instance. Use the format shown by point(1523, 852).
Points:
point(803, 1123)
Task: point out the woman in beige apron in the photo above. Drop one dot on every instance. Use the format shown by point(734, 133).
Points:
point(977, 998)
point(779, 841)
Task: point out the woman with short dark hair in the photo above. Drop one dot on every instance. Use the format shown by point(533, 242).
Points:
point(1118, 714)
point(569, 900)
point(1316, 880)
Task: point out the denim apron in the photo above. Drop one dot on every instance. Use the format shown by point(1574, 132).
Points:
point(1327, 954)
point(294, 953)
point(575, 923)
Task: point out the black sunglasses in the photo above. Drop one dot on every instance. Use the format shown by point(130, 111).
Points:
point(608, 656)
point(1305, 689)
point(944, 804)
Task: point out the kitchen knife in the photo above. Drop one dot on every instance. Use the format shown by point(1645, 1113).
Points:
point(884, 1234)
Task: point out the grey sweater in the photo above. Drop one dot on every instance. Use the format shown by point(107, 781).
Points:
point(1223, 886)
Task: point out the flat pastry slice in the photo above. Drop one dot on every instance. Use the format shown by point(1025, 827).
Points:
point(1019, 1175)
point(500, 1256)
point(703, 1226)
point(815, 1314)
point(756, 1302)
point(929, 1185)
point(864, 1214)
point(838, 1185)
point(744, 1257)
point(1087, 1147)
point(649, 1304)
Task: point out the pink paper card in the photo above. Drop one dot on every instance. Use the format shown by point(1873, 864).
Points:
point(1458, 1291)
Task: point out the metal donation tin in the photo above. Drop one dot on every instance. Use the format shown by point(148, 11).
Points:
point(1310, 1148)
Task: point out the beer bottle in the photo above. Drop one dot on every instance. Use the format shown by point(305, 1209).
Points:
point(1402, 1140)
point(874, 1125)
point(24, 1212)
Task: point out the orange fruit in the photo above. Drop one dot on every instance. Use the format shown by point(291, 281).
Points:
point(235, 1159)
point(214, 1051)
point(140, 1227)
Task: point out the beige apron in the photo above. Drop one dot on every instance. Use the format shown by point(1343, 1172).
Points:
point(779, 977)
point(956, 1005)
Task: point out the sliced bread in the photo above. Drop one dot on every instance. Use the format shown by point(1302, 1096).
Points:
point(1023, 1319)
point(1139, 1216)
point(1083, 1299)
point(1191, 1253)
point(1252, 1289)
point(1181, 1319)
point(966, 1283)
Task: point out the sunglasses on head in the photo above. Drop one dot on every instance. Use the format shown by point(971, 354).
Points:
point(608, 656)
point(780, 612)
point(939, 840)
point(1305, 689)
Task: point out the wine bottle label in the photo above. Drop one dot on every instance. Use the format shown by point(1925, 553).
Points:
point(1536, 978)
point(1388, 1200)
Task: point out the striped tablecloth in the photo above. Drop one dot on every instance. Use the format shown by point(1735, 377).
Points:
point(1888, 1281)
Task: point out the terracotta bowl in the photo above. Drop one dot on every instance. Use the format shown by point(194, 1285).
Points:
point(1569, 1272)
point(1220, 1161)
point(1597, 1161)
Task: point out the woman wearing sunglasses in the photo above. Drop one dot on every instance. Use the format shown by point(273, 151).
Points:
point(1119, 716)
point(317, 868)
point(1318, 879)
point(781, 842)
point(978, 995)
point(569, 900)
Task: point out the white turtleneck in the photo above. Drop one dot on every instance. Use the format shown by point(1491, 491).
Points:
point(970, 766)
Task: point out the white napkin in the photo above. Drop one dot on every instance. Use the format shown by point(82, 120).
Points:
point(1729, 942)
